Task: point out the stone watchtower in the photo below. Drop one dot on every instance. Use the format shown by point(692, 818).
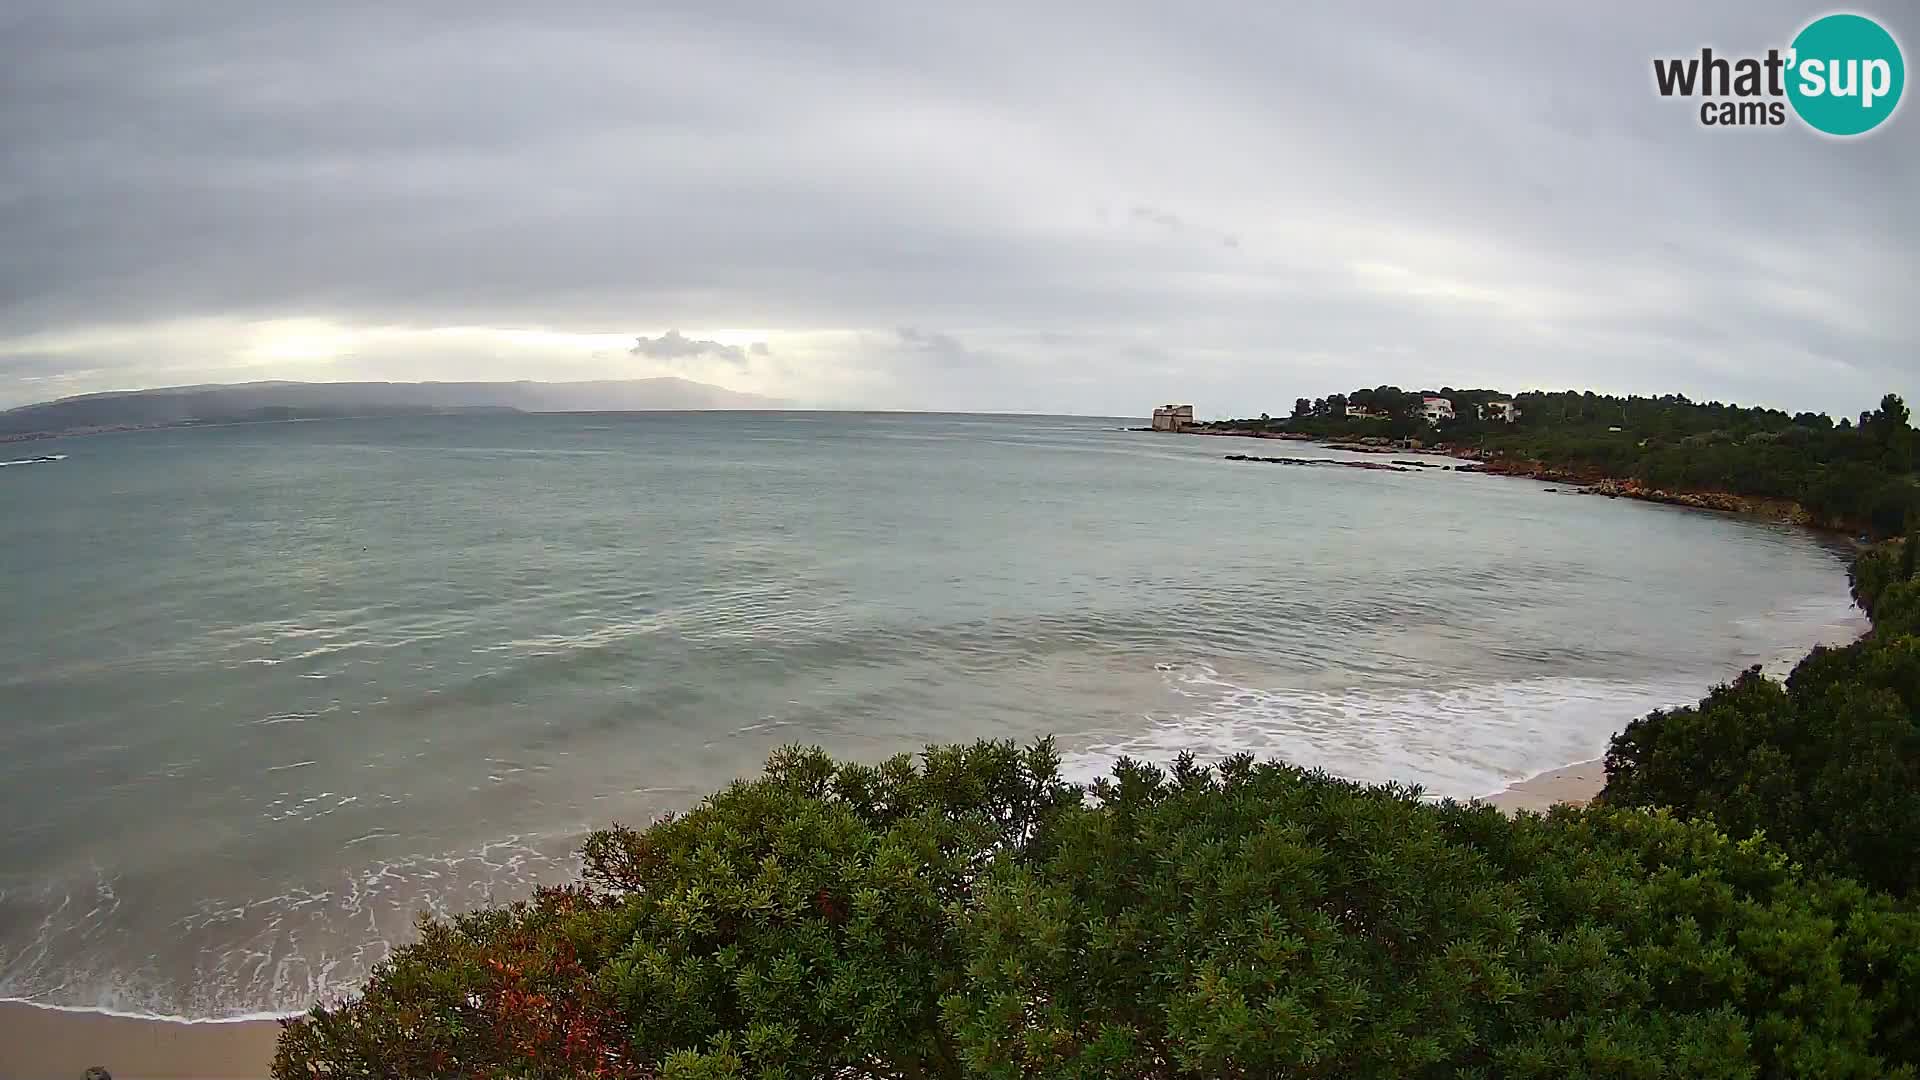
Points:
point(1173, 418)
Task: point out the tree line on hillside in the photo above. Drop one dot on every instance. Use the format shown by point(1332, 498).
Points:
point(1857, 475)
point(1740, 902)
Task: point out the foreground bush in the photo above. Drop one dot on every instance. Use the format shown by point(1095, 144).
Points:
point(1269, 922)
point(973, 916)
point(1826, 765)
point(797, 925)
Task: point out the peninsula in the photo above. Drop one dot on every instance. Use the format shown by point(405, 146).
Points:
point(1855, 475)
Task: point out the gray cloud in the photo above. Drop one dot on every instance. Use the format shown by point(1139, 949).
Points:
point(673, 345)
point(1464, 194)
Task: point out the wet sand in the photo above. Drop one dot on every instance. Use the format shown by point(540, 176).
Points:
point(1574, 784)
point(56, 1044)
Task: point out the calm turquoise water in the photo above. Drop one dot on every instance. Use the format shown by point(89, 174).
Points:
point(266, 691)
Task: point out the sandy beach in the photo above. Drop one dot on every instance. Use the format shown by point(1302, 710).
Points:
point(58, 1044)
point(1574, 784)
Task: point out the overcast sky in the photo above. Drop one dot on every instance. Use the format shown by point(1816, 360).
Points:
point(1087, 208)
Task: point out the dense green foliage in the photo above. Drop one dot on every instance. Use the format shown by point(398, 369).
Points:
point(1886, 585)
point(790, 926)
point(1826, 764)
point(1269, 922)
point(973, 916)
point(1849, 475)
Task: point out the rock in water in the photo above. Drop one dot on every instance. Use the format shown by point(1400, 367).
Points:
point(96, 1072)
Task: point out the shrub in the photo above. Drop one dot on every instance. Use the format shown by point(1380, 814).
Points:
point(973, 916)
point(797, 925)
point(1270, 922)
point(1873, 570)
point(1827, 765)
point(1884, 583)
point(495, 988)
point(1731, 755)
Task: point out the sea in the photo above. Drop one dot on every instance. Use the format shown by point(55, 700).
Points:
point(268, 692)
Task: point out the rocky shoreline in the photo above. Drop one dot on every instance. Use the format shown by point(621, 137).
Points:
point(1779, 511)
point(1321, 462)
point(1576, 481)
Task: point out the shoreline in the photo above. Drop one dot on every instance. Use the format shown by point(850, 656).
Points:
point(52, 1042)
point(1584, 482)
point(1575, 785)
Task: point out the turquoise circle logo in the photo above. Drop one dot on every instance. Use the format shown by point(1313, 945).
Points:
point(1846, 74)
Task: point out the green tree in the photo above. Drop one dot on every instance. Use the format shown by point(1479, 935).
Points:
point(1891, 419)
point(1825, 764)
point(972, 916)
point(1263, 921)
point(797, 925)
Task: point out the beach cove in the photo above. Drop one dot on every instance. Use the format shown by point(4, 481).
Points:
point(393, 732)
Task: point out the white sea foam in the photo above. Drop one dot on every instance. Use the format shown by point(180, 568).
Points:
point(1461, 742)
point(266, 956)
point(129, 1014)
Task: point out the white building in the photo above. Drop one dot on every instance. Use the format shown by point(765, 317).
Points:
point(1364, 413)
point(1436, 409)
point(1504, 411)
point(1173, 418)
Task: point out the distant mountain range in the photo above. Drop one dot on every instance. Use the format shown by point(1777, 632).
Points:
point(242, 402)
